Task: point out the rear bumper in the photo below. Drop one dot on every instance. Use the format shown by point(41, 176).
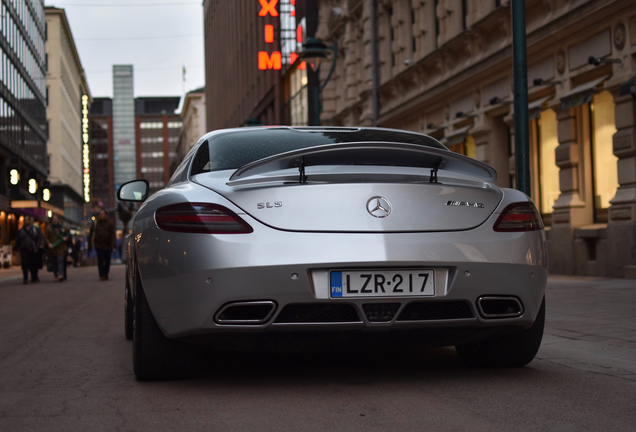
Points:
point(188, 278)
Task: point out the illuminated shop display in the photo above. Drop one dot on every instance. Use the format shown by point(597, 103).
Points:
point(33, 186)
point(14, 176)
point(85, 151)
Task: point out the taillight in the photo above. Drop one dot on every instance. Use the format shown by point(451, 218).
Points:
point(521, 216)
point(200, 218)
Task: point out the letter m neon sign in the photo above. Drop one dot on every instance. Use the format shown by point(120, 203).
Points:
point(265, 61)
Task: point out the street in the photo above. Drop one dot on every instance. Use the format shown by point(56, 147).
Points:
point(65, 365)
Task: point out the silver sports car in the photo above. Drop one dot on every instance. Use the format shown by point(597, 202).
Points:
point(363, 235)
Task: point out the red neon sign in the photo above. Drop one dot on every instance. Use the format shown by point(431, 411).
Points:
point(268, 7)
point(266, 62)
point(299, 34)
point(269, 33)
point(293, 56)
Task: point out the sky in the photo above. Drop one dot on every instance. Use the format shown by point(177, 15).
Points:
point(158, 37)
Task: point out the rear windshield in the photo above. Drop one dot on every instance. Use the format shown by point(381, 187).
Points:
point(234, 149)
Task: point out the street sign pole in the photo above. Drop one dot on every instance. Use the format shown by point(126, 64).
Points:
point(520, 71)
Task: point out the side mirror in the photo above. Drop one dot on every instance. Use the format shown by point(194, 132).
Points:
point(135, 190)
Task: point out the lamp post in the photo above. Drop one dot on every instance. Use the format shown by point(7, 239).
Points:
point(520, 69)
point(314, 52)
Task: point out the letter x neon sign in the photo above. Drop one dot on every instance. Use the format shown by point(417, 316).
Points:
point(268, 7)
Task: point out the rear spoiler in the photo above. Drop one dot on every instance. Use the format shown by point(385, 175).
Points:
point(369, 153)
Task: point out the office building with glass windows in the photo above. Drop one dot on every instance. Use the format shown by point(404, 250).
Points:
point(123, 124)
point(155, 137)
point(157, 130)
point(23, 127)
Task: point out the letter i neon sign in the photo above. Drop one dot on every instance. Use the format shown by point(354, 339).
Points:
point(265, 60)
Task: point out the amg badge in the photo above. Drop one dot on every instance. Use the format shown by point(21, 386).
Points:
point(464, 204)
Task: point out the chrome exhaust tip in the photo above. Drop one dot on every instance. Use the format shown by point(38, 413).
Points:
point(245, 313)
point(492, 307)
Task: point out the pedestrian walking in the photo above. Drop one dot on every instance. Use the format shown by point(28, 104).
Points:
point(77, 246)
point(29, 243)
point(102, 238)
point(57, 237)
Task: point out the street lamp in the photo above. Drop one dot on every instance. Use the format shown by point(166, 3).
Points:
point(314, 52)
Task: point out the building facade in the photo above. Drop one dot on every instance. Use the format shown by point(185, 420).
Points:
point(157, 130)
point(102, 154)
point(445, 69)
point(23, 129)
point(256, 42)
point(194, 127)
point(156, 137)
point(123, 125)
point(68, 104)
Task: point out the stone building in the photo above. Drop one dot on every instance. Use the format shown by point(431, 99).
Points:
point(445, 69)
point(68, 102)
point(193, 118)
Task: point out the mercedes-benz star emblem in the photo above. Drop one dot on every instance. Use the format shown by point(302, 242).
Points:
point(379, 207)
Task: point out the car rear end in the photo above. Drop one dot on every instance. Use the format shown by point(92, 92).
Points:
point(325, 254)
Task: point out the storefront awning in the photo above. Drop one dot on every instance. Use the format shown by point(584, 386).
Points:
point(457, 136)
point(534, 108)
point(629, 87)
point(35, 208)
point(581, 94)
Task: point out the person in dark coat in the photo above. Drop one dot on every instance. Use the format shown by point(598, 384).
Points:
point(57, 237)
point(102, 238)
point(29, 243)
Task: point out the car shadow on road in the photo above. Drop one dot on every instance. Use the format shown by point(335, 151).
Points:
point(354, 368)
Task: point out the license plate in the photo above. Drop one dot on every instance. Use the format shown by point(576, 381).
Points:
point(382, 283)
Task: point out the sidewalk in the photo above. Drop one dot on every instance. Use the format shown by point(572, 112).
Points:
point(15, 272)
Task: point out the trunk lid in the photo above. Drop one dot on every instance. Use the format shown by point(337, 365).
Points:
point(360, 199)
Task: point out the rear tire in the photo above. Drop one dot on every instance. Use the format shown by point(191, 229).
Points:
point(128, 312)
point(514, 350)
point(155, 357)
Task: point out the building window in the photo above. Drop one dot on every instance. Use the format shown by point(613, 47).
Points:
point(464, 14)
point(435, 7)
point(298, 103)
point(470, 147)
point(151, 140)
point(157, 154)
point(151, 169)
point(413, 40)
point(604, 162)
point(151, 125)
point(545, 139)
point(465, 147)
point(175, 125)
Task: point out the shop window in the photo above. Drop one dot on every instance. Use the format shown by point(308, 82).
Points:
point(466, 147)
point(548, 171)
point(298, 104)
point(604, 162)
point(470, 147)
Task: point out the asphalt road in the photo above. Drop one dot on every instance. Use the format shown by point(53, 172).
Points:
point(65, 365)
